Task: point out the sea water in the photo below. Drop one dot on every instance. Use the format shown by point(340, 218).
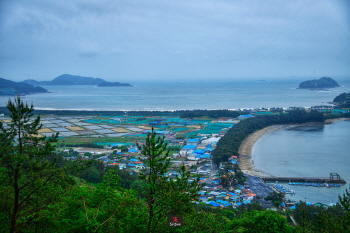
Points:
point(307, 151)
point(189, 95)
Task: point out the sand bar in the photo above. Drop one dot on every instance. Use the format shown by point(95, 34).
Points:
point(245, 161)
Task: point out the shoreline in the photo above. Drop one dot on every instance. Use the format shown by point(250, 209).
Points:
point(245, 160)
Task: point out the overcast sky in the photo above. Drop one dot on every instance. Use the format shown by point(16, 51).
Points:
point(132, 40)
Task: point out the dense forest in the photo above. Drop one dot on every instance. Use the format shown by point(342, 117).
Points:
point(230, 143)
point(210, 113)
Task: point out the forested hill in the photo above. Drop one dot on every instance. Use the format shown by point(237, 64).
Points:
point(10, 88)
point(67, 79)
point(324, 82)
point(342, 100)
point(230, 143)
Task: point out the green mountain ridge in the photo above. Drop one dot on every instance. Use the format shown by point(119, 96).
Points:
point(67, 79)
point(11, 88)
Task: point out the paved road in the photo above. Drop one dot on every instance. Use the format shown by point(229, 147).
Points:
point(213, 169)
point(257, 186)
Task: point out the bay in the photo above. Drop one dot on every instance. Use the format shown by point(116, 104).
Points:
point(307, 151)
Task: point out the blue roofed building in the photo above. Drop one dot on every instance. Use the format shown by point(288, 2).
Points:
point(205, 156)
point(193, 142)
point(199, 152)
point(243, 117)
point(186, 150)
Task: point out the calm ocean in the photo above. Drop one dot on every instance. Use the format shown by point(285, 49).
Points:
point(307, 151)
point(162, 95)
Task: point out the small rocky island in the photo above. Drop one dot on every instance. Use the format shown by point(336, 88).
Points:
point(319, 84)
point(11, 88)
point(67, 79)
point(113, 84)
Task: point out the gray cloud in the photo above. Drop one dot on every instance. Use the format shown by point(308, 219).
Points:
point(173, 39)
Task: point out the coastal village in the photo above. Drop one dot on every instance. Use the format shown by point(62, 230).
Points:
point(115, 140)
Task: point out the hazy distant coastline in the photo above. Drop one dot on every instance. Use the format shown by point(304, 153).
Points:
point(68, 79)
point(171, 96)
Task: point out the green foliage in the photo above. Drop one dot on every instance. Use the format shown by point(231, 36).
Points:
point(174, 148)
point(343, 100)
point(315, 219)
point(275, 196)
point(88, 154)
point(104, 208)
point(246, 208)
point(164, 195)
point(260, 221)
point(123, 148)
point(229, 179)
point(95, 173)
point(276, 204)
point(30, 177)
point(139, 186)
point(209, 113)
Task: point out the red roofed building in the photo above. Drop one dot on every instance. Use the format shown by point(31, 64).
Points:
point(246, 191)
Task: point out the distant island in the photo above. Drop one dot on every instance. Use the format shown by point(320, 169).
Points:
point(10, 88)
point(67, 79)
point(113, 84)
point(322, 83)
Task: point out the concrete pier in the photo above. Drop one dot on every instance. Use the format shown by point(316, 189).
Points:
point(305, 179)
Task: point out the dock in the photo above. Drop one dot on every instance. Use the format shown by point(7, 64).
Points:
point(337, 180)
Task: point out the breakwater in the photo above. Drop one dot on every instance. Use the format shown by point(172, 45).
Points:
point(305, 179)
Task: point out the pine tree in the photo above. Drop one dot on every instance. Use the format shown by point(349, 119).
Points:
point(164, 195)
point(29, 177)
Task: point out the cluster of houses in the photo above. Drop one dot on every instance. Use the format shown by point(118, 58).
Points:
point(214, 194)
point(195, 149)
point(217, 196)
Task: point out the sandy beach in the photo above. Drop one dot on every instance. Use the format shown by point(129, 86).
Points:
point(245, 161)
